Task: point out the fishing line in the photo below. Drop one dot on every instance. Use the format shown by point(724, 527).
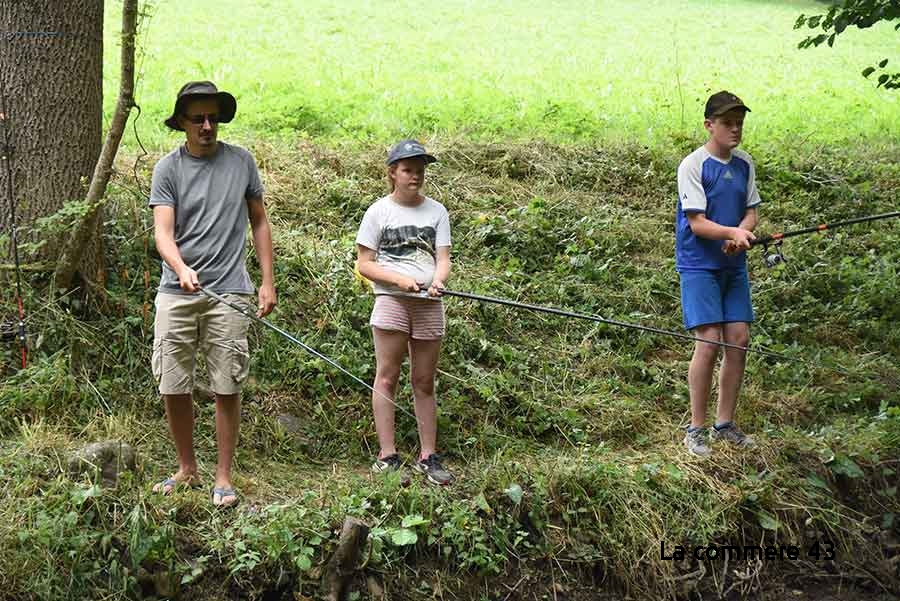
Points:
point(304, 346)
point(634, 326)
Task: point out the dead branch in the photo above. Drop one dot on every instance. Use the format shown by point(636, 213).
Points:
point(345, 560)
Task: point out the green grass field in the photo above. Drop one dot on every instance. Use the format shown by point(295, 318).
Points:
point(556, 70)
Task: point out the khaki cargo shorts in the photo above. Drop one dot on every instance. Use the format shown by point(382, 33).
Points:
point(185, 324)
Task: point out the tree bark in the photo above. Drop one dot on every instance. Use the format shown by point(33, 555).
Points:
point(51, 59)
point(79, 241)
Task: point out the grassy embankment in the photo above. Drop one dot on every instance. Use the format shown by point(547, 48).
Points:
point(584, 419)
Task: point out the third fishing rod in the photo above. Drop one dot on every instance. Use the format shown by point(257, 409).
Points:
point(773, 259)
point(625, 324)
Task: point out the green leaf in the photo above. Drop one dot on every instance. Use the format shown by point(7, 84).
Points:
point(883, 63)
point(673, 471)
point(846, 466)
point(887, 521)
point(817, 482)
point(514, 492)
point(840, 24)
point(80, 495)
point(868, 71)
point(195, 572)
point(767, 521)
point(403, 536)
point(482, 503)
point(410, 521)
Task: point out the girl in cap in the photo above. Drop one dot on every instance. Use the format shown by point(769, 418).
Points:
point(403, 247)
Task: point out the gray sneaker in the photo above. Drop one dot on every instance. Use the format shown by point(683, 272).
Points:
point(696, 442)
point(433, 470)
point(731, 433)
point(391, 463)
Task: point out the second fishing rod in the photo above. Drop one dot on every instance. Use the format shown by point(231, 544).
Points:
point(635, 326)
point(774, 258)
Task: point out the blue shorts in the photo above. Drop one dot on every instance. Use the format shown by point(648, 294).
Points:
point(721, 296)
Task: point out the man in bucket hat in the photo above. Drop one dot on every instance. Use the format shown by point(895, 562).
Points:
point(203, 195)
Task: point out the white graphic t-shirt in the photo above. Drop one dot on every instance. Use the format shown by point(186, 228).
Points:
point(405, 239)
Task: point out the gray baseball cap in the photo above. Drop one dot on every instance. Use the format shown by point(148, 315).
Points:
point(202, 89)
point(407, 149)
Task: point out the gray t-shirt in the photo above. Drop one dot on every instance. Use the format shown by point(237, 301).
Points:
point(210, 198)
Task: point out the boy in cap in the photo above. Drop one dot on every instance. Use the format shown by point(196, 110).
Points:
point(403, 247)
point(203, 195)
point(717, 200)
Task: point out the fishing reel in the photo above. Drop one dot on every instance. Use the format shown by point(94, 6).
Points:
point(775, 256)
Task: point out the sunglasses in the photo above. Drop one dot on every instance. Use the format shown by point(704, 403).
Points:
point(213, 118)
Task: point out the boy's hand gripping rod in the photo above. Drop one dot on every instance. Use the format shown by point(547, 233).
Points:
point(299, 343)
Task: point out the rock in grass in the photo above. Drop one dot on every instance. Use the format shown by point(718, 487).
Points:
point(293, 427)
point(107, 459)
point(292, 424)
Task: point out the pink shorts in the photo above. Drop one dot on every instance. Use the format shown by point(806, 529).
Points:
point(421, 318)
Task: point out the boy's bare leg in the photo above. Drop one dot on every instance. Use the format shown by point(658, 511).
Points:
point(700, 372)
point(732, 372)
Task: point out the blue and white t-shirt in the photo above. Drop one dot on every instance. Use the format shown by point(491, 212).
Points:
point(723, 190)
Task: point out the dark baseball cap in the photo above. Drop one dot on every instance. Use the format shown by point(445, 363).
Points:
point(722, 102)
point(202, 89)
point(407, 149)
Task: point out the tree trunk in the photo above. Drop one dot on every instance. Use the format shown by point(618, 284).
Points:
point(51, 58)
point(79, 241)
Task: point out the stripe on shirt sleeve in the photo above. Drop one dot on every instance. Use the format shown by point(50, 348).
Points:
point(690, 184)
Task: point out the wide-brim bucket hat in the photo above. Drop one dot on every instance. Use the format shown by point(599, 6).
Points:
point(202, 89)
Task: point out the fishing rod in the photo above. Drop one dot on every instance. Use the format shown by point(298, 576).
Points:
point(302, 345)
point(613, 322)
point(776, 257)
point(6, 156)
